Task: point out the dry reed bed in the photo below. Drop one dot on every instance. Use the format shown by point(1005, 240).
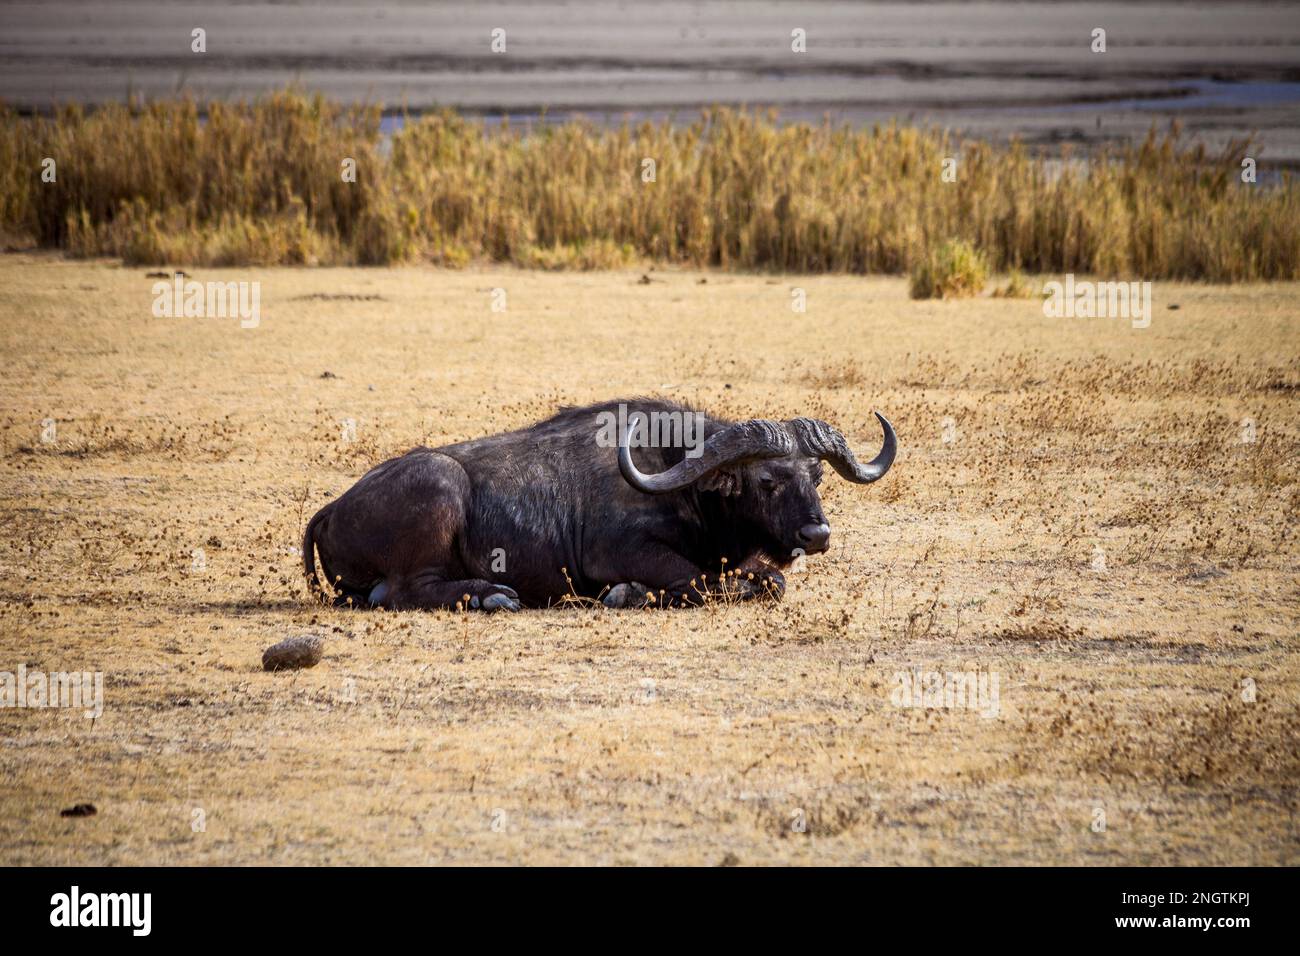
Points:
point(262, 183)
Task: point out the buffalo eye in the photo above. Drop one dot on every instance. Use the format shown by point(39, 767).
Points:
point(767, 483)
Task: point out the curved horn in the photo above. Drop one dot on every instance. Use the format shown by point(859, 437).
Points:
point(818, 440)
point(756, 438)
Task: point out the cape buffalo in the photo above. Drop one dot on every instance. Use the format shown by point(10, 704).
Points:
point(528, 517)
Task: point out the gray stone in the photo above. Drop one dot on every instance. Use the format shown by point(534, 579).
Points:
point(292, 653)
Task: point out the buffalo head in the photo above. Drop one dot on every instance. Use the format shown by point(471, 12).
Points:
point(764, 475)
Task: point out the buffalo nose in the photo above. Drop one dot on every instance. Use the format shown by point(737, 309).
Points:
point(814, 537)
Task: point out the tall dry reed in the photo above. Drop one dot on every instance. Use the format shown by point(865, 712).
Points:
point(262, 183)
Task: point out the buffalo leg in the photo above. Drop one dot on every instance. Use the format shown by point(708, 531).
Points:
point(426, 591)
point(684, 585)
point(629, 594)
point(755, 582)
point(745, 586)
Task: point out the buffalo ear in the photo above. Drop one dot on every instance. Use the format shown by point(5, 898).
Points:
point(725, 481)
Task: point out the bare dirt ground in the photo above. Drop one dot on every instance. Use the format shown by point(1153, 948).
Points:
point(1078, 510)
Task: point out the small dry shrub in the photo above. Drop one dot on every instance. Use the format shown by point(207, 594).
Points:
point(954, 270)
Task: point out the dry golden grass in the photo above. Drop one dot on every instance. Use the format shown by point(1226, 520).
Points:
point(654, 737)
point(953, 270)
point(263, 183)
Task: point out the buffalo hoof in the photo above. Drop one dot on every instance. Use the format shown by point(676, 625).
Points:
point(629, 594)
point(504, 599)
point(769, 585)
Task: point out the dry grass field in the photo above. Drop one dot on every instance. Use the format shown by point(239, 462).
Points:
point(1077, 510)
